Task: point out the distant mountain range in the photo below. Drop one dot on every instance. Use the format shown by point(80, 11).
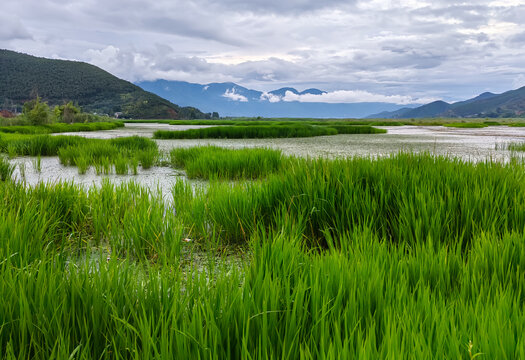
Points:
point(230, 99)
point(23, 77)
point(508, 104)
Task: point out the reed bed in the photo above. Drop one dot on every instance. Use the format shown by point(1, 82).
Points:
point(247, 132)
point(467, 125)
point(120, 153)
point(403, 198)
point(415, 257)
point(213, 162)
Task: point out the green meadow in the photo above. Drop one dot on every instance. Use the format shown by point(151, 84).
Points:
point(406, 256)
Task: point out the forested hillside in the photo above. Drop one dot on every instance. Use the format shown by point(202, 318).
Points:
point(23, 77)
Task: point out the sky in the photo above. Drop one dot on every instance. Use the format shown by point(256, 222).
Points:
point(405, 51)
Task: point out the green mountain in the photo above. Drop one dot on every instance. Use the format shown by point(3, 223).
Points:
point(23, 77)
point(508, 104)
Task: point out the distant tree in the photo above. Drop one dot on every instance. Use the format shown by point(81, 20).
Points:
point(36, 112)
point(215, 115)
point(66, 113)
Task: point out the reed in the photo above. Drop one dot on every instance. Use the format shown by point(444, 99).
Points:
point(468, 125)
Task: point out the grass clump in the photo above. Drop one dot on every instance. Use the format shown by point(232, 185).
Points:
point(247, 132)
point(83, 152)
point(6, 169)
point(404, 198)
point(468, 125)
point(120, 153)
point(213, 162)
point(436, 242)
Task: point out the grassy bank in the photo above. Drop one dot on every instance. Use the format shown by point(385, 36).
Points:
point(213, 162)
point(409, 256)
point(122, 154)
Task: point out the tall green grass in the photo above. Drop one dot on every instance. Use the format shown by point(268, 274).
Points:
point(515, 146)
point(213, 162)
point(6, 169)
point(83, 152)
point(420, 257)
point(404, 198)
point(247, 132)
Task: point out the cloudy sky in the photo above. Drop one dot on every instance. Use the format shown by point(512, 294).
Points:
point(379, 49)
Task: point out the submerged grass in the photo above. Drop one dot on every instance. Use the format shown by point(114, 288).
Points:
point(213, 162)
point(515, 146)
point(421, 257)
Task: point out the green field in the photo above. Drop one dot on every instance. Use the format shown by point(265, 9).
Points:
point(407, 256)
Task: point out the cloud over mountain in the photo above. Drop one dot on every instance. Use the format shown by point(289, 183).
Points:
point(416, 48)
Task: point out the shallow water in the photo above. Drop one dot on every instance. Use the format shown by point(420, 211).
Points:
point(468, 144)
point(51, 171)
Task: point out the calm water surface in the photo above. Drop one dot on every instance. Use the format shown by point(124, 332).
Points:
point(468, 144)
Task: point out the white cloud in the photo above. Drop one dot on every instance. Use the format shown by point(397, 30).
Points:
point(232, 95)
point(412, 48)
point(354, 96)
point(270, 97)
point(519, 81)
point(12, 28)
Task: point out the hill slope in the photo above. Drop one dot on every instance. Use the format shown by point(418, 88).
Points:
point(508, 104)
point(23, 77)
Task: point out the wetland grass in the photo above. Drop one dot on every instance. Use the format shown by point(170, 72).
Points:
point(83, 152)
point(61, 127)
point(405, 257)
point(403, 198)
point(213, 162)
point(467, 125)
point(247, 132)
point(6, 169)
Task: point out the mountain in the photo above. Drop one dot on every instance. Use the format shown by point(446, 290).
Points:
point(508, 104)
point(24, 77)
point(230, 99)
